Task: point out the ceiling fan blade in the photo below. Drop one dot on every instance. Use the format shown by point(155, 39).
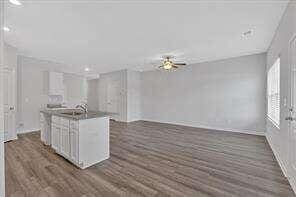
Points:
point(180, 64)
point(174, 66)
point(160, 66)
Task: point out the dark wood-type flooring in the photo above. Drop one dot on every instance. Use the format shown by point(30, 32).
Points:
point(150, 159)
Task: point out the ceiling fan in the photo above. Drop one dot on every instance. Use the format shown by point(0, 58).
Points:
point(168, 64)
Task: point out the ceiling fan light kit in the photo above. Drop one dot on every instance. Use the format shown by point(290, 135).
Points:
point(168, 64)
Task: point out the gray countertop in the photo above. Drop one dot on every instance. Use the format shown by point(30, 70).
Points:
point(88, 115)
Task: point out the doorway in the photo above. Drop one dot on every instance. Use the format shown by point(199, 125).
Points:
point(112, 99)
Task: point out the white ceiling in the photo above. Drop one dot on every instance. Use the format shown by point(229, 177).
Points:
point(107, 36)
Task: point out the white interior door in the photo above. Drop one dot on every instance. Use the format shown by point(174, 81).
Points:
point(9, 104)
point(292, 117)
point(112, 98)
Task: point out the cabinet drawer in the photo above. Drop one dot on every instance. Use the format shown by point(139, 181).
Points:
point(65, 122)
point(74, 125)
point(56, 120)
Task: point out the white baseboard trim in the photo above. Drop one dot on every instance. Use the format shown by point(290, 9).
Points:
point(20, 131)
point(293, 184)
point(281, 163)
point(277, 156)
point(134, 120)
point(12, 139)
point(260, 133)
point(244, 131)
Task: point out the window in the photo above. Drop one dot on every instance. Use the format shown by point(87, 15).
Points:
point(273, 93)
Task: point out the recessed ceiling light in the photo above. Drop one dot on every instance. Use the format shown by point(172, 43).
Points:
point(248, 33)
point(15, 2)
point(86, 69)
point(6, 29)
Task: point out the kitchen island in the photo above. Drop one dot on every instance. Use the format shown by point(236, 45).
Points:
point(82, 138)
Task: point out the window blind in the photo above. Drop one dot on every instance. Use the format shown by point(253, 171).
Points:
point(273, 93)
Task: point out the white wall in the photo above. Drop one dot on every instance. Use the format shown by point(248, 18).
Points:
point(10, 56)
point(32, 95)
point(227, 94)
point(278, 138)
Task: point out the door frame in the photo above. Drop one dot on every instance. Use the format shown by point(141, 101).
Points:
point(292, 70)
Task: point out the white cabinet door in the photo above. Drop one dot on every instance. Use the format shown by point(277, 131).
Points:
point(65, 142)
point(55, 137)
point(45, 124)
point(42, 135)
point(43, 128)
point(74, 145)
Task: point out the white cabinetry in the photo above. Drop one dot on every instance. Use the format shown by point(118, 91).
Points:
point(65, 138)
point(60, 136)
point(55, 83)
point(56, 133)
point(45, 123)
point(82, 142)
point(55, 137)
point(65, 141)
point(74, 141)
point(93, 144)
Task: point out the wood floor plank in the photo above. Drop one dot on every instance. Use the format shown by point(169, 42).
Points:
point(150, 159)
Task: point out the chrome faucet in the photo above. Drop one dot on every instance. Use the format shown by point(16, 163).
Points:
point(83, 107)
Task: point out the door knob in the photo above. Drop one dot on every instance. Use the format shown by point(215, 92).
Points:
point(290, 118)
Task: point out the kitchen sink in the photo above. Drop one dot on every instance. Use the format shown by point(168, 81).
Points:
point(72, 113)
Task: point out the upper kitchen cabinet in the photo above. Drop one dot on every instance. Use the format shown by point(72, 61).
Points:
point(54, 83)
